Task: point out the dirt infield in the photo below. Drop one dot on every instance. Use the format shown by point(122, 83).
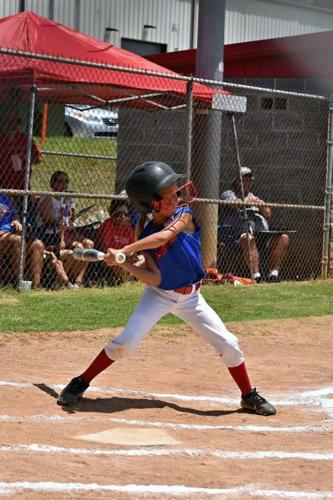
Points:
point(176, 388)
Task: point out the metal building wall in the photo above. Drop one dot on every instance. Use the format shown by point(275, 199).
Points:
point(8, 7)
point(245, 19)
point(170, 17)
point(260, 19)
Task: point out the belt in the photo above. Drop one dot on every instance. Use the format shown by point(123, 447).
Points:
point(185, 290)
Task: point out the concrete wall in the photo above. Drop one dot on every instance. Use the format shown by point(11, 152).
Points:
point(150, 135)
point(286, 148)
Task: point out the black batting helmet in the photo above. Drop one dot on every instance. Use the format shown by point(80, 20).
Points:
point(145, 181)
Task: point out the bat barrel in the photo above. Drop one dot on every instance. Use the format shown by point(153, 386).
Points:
point(88, 254)
point(93, 255)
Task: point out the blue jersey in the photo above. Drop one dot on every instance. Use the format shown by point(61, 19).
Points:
point(7, 214)
point(179, 261)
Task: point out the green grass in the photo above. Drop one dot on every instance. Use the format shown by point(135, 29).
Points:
point(87, 175)
point(87, 309)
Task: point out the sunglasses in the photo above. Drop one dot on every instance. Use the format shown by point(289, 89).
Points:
point(121, 215)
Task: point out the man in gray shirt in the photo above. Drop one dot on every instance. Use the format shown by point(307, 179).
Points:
point(249, 221)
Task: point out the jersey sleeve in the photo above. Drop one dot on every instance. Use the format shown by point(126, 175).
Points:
point(183, 210)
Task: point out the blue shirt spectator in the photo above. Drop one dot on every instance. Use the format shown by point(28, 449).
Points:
point(7, 214)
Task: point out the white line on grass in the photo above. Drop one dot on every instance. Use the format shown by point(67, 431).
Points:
point(70, 419)
point(153, 452)
point(161, 489)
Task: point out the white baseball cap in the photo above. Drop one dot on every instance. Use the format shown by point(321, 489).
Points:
point(246, 171)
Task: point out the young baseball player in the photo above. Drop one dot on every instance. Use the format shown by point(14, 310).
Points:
point(172, 274)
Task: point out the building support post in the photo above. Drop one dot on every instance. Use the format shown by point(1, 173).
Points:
point(206, 165)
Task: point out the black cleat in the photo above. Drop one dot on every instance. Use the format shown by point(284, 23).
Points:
point(72, 393)
point(256, 403)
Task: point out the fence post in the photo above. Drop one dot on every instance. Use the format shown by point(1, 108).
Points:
point(26, 184)
point(328, 198)
point(189, 108)
point(327, 243)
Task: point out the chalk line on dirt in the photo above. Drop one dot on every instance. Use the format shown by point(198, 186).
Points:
point(70, 419)
point(137, 489)
point(153, 452)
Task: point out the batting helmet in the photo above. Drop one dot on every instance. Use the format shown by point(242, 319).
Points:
point(145, 181)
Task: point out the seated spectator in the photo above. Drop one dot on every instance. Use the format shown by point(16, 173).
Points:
point(10, 243)
point(247, 222)
point(116, 231)
point(55, 227)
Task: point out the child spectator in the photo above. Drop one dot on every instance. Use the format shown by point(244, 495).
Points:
point(55, 227)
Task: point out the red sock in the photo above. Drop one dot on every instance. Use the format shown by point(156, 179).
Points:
point(240, 376)
point(97, 366)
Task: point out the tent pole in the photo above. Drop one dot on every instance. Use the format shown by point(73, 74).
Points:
point(26, 185)
point(44, 123)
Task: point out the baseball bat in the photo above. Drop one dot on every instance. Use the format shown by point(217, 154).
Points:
point(93, 255)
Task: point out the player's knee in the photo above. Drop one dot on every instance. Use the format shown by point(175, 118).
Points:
point(231, 354)
point(116, 350)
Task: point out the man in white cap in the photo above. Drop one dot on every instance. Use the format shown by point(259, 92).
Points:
point(250, 220)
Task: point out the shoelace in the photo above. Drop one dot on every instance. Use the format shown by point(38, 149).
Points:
point(257, 398)
point(254, 397)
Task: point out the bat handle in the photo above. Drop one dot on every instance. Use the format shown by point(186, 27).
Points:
point(120, 258)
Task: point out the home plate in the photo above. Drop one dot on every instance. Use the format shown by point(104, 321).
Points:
point(130, 437)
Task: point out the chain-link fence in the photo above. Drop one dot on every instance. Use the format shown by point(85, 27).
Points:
point(72, 131)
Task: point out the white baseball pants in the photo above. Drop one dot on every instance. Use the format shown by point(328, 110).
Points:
point(192, 308)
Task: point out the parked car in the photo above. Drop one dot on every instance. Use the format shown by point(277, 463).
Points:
point(81, 121)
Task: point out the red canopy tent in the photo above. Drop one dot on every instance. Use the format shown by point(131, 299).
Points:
point(66, 81)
